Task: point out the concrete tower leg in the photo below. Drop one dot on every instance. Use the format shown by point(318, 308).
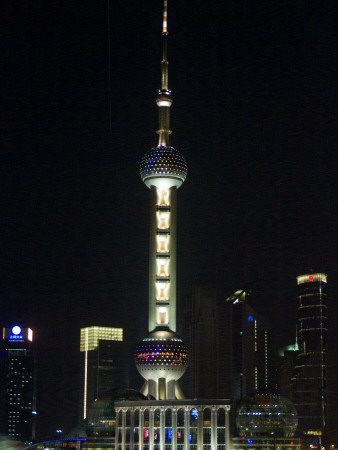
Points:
point(162, 388)
point(152, 388)
point(171, 390)
point(178, 391)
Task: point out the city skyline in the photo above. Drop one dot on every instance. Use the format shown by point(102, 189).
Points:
point(257, 209)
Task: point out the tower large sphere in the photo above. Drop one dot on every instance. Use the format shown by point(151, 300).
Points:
point(163, 166)
point(161, 354)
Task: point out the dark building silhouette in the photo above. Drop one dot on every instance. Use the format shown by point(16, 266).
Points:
point(287, 360)
point(250, 361)
point(309, 378)
point(232, 347)
point(199, 323)
point(17, 378)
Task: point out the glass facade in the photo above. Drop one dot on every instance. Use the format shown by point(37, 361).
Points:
point(309, 377)
point(266, 414)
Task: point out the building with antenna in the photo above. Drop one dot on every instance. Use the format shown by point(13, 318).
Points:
point(164, 419)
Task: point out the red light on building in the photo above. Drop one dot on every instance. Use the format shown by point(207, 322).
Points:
point(310, 278)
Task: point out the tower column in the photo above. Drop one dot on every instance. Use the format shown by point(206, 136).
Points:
point(227, 427)
point(174, 427)
point(186, 426)
point(213, 427)
point(200, 429)
point(151, 428)
point(162, 428)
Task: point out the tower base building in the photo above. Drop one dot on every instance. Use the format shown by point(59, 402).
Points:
point(172, 424)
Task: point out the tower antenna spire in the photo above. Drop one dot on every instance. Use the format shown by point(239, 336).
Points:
point(164, 64)
point(164, 98)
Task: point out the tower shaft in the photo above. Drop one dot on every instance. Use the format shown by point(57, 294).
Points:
point(162, 259)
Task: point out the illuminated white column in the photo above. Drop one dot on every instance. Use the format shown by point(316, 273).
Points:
point(162, 428)
point(162, 260)
point(213, 427)
point(186, 426)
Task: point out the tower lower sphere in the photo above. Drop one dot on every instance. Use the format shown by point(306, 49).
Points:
point(161, 358)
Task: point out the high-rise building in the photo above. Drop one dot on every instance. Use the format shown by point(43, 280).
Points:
point(200, 328)
point(309, 378)
point(18, 386)
point(104, 362)
point(249, 350)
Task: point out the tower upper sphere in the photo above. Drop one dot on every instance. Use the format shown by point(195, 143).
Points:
point(163, 166)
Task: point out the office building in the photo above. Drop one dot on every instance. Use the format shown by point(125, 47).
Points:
point(309, 378)
point(18, 384)
point(105, 364)
point(200, 324)
point(249, 349)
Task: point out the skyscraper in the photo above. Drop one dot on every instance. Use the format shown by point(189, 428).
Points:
point(309, 379)
point(200, 328)
point(249, 346)
point(17, 378)
point(104, 364)
point(161, 358)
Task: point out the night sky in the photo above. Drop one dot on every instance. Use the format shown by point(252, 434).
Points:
point(254, 113)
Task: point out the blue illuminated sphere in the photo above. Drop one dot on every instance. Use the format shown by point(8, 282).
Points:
point(162, 354)
point(163, 165)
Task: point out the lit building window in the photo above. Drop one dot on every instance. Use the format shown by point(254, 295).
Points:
point(163, 197)
point(162, 243)
point(162, 291)
point(162, 316)
point(163, 219)
point(162, 267)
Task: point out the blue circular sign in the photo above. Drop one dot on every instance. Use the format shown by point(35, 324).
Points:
point(16, 330)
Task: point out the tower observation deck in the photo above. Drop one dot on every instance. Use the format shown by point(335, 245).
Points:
point(161, 357)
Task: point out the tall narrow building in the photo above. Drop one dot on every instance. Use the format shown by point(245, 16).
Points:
point(18, 387)
point(104, 364)
point(161, 357)
point(309, 379)
point(249, 345)
point(200, 328)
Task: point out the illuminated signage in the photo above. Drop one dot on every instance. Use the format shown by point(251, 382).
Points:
point(16, 330)
point(16, 334)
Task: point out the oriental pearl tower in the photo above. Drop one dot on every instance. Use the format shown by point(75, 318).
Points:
point(161, 357)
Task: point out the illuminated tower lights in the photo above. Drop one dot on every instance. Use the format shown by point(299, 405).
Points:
point(161, 358)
